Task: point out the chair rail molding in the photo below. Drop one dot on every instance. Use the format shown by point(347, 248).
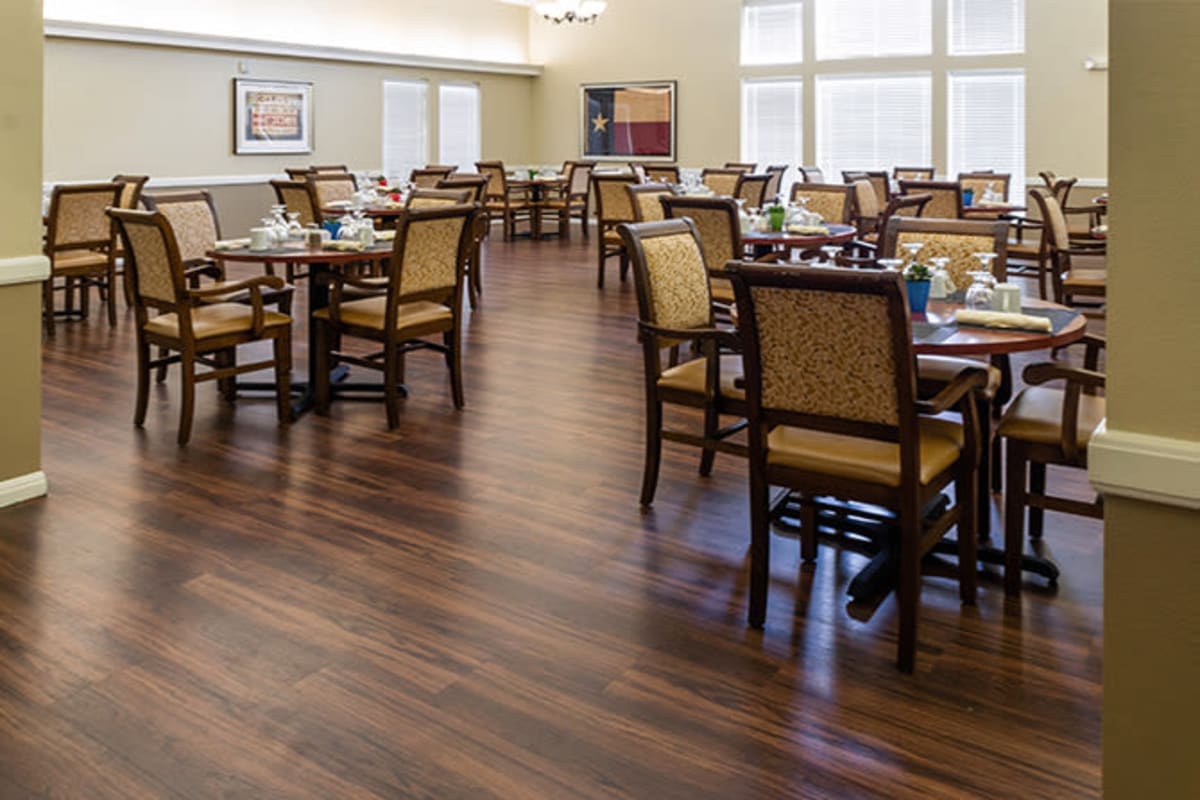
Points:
point(22, 488)
point(24, 269)
point(1155, 469)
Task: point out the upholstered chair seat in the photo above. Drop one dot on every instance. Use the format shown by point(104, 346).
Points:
point(371, 313)
point(1036, 416)
point(85, 260)
point(220, 319)
point(690, 376)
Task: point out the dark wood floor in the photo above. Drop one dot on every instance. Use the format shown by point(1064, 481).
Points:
point(474, 605)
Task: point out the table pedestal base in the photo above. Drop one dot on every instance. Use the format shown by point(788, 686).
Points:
point(303, 395)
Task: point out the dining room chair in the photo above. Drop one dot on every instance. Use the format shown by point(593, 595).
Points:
point(880, 181)
point(741, 165)
point(329, 169)
point(945, 197)
point(429, 177)
point(297, 173)
point(721, 182)
point(613, 206)
point(833, 411)
point(299, 198)
point(812, 174)
point(572, 200)
point(978, 183)
point(132, 187)
point(424, 298)
point(197, 332)
point(913, 173)
point(720, 230)
point(870, 220)
point(1078, 267)
point(833, 201)
point(775, 185)
point(662, 173)
point(481, 229)
point(79, 245)
point(647, 200)
point(509, 204)
point(751, 189)
point(331, 187)
point(1048, 425)
point(675, 306)
point(438, 198)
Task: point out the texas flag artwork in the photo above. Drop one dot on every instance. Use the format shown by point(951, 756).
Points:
point(625, 121)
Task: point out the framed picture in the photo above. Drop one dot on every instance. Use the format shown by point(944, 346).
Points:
point(624, 121)
point(272, 117)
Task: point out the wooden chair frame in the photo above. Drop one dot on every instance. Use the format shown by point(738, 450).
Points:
point(429, 177)
point(849, 202)
point(570, 203)
point(732, 176)
point(651, 190)
point(880, 181)
point(933, 189)
point(752, 189)
point(1060, 252)
point(512, 205)
point(607, 220)
point(98, 270)
point(482, 227)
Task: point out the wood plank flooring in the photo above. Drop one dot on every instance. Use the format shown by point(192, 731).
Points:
point(473, 606)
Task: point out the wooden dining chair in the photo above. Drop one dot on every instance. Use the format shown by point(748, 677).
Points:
point(812, 174)
point(720, 232)
point(721, 182)
point(79, 244)
point(662, 173)
point(510, 204)
point(572, 200)
point(331, 187)
point(833, 411)
point(1046, 425)
point(674, 306)
point(481, 228)
point(423, 299)
point(439, 198)
point(833, 201)
point(429, 177)
point(879, 180)
point(913, 173)
point(299, 198)
point(613, 206)
point(978, 183)
point(775, 185)
point(132, 187)
point(751, 189)
point(945, 197)
point(647, 200)
point(196, 331)
point(1078, 267)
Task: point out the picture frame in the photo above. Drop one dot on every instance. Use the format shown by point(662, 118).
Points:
point(272, 117)
point(628, 121)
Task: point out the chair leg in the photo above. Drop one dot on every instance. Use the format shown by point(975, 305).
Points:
point(227, 387)
point(283, 376)
point(1037, 487)
point(760, 546)
point(48, 304)
point(127, 286)
point(624, 266)
point(160, 374)
point(110, 293)
point(321, 365)
point(600, 273)
point(653, 450)
point(908, 593)
point(143, 382)
point(1014, 507)
point(391, 389)
point(808, 531)
point(968, 536)
point(187, 399)
point(454, 361)
point(712, 423)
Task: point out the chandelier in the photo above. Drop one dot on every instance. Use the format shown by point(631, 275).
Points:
point(559, 11)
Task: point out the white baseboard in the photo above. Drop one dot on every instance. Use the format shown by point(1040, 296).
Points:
point(22, 488)
point(1155, 469)
point(24, 269)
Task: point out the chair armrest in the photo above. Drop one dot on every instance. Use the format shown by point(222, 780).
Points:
point(966, 382)
point(722, 336)
point(254, 286)
point(1037, 374)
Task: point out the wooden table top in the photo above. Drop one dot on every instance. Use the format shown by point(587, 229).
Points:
point(370, 211)
point(302, 254)
point(993, 209)
point(968, 340)
point(838, 234)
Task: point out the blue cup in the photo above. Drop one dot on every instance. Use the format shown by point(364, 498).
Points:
point(333, 226)
point(968, 197)
point(918, 295)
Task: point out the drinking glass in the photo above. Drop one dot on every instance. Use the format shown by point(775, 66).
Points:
point(981, 291)
point(985, 260)
point(890, 264)
point(913, 248)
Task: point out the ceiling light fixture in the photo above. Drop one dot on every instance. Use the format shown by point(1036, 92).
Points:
point(560, 11)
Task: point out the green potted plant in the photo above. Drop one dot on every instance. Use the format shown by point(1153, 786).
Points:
point(917, 278)
point(775, 214)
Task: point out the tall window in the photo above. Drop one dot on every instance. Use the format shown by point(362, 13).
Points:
point(873, 121)
point(772, 32)
point(772, 132)
point(459, 126)
point(873, 28)
point(404, 123)
point(987, 124)
point(986, 27)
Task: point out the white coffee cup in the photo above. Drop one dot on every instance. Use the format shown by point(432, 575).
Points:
point(260, 239)
point(1008, 298)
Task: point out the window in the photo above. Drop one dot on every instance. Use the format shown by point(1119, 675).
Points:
point(772, 32)
point(873, 28)
point(987, 124)
point(772, 132)
point(404, 143)
point(459, 126)
point(873, 121)
point(986, 27)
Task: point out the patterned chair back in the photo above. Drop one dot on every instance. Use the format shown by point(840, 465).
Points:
point(717, 224)
point(662, 173)
point(957, 240)
point(193, 221)
point(298, 197)
point(826, 349)
point(429, 253)
point(429, 178)
point(647, 200)
point(438, 198)
point(979, 181)
point(497, 186)
point(865, 197)
point(77, 220)
point(131, 189)
point(579, 178)
point(669, 274)
point(945, 200)
point(1052, 214)
point(774, 185)
point(812, 174)
point(331, 187)
point(152, 257)
point(613, 204)
point(833, 201)
point(722, 182)
point(465, 180)
point(752, 189)
point(913, 173)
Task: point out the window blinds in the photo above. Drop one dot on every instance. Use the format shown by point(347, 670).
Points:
point(404, 144)
point(459, 126)
point(772, 129)
point(987, 124)
point(772, 32)
point(986, 27)
point(873, 121)
point(873, 28)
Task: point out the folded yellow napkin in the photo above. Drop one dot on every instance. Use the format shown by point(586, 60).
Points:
point(808, 230)
point(1001, 319)
point(345, 245)
point(338, 204)
point(989, 203)
point(231, 244)
point(385, 236)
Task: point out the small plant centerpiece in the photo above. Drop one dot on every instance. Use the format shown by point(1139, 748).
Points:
point(917, 278)
point(775, 215)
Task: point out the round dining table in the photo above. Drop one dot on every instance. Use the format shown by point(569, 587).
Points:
point(974, 341)
point(320, 263)
point(834, 234)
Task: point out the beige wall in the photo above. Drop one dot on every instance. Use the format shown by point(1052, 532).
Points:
point(1152, 553)
point(697, 42)
point(20, 235)
point(167, 112)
